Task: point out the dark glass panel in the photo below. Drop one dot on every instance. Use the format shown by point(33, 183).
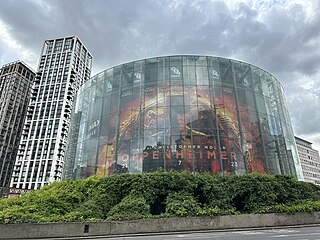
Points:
point(237, 68)
point(91, 157)
point(226, 72)
point(256, 81)
point(151, 74)
point(203, 122)
point(106, 105)
point(127, 76)
point(105, 119)
point(115, 80)
point(114, 102)
point(100, 87)
point(176, 61)
point(177, 116)
point(113, 123)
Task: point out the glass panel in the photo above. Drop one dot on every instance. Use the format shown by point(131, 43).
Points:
point(127, 77)
point(189, 71)
point(226, 72)
point(201, 61)
point(115, 80)
point(175, 71)
point(151, 74)
point(202, 75)
point(257, 86)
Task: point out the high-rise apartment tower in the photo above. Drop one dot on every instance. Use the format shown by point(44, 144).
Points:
point(65, 64)
point(15, 87)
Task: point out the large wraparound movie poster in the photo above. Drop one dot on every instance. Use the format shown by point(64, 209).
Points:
point(182, 128)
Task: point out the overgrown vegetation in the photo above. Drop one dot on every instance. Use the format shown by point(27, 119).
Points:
point(160, 194)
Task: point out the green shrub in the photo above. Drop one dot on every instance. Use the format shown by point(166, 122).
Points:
point(160, 194)
point(306, 206)
point(181, 204)
point(131, 207)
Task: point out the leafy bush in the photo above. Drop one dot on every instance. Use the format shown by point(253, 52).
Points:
point(307, 206)
point(181, 204)
point(131, 207)
point(160, 194)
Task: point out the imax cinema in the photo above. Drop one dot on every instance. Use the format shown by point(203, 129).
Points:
point(194, 113)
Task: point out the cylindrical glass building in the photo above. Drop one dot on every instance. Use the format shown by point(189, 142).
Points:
point(195, 113)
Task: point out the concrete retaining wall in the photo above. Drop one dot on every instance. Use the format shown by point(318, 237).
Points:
point(47, 230)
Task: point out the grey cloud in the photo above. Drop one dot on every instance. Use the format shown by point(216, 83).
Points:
point(285, 47)
point(278, 37)
point(122, 30)
point(304, 115)
point(27, 21)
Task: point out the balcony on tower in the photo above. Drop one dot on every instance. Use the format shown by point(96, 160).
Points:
point(37, 78)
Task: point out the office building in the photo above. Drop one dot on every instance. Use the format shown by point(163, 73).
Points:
point(310, 161)
point(194, 113)
point(64, 65)
point(15, 88)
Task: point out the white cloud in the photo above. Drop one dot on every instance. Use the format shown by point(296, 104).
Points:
point(13, 48)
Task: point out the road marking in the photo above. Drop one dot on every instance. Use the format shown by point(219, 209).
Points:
point(250, 232)
point(295, 235)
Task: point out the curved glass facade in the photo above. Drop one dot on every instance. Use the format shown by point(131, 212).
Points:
point(196, 113)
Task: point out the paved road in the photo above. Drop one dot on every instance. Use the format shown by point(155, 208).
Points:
point(299, 233)
point(305, 233)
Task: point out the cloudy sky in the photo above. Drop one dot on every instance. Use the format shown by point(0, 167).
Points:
point(280, 36)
